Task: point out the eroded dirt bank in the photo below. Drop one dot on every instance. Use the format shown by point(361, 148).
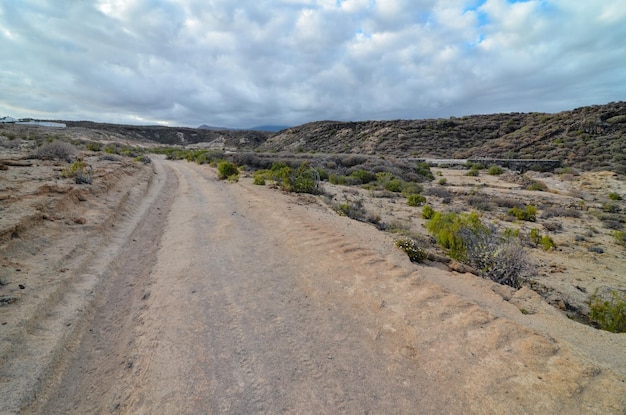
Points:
point(252, 301)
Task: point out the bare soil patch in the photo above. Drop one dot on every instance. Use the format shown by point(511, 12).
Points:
point(181, 293)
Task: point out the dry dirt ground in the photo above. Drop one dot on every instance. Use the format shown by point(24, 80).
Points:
point(158, 289)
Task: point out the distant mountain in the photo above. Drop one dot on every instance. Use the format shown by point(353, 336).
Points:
point(270, 128)
point(210, 127)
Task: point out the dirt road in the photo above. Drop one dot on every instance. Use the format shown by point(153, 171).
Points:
point(237, 299)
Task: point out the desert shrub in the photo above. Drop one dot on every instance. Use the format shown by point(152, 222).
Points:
point(537, 186)
point(560, 212)
point(438, 192)
point(259, 178)
point(227, 170)
point(94, 146)
point(611, 207)
point(495, 170)
point(596, 249)
point(74, 168)
point(415, 200)
point(80, 171)
point(480, 203)
point(620, 238)
point(412, 249)
point(364, 176)
point(614, 196)
point(507, 203)
point(323, 174)
point(450, 229)
point(547, 243)
point(353, 160)
point(611, 220)
point(337, 179)
point(353, 210)
point(502, 260)
point(535, 237)
point(301, 180)
point(423, 169)
point(427, 212)
point(609, 314)
point(553, 226)
point(473, 172)
point(394, 185)
point(56, 150)
point(111, 149)
point(529, 213)
point(305, 180)
point(511, 233)
point(475, 166)
point(443, 181)
point(411, 188)
point(143, 159)
point(567, 170)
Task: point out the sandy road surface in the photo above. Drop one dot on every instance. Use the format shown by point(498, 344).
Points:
point(246, 301)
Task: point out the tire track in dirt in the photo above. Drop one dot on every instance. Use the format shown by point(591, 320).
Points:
point(75, 267)
point(267, 303)
point(91, 356)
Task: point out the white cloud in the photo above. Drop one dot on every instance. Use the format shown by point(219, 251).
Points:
point(291, 61)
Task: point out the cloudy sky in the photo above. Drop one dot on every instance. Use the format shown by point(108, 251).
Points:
point(253, 62)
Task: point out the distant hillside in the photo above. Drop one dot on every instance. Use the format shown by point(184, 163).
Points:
point(271, 128)
point(588, 138)
point(177, 135)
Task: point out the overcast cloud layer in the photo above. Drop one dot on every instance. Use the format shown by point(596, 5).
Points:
point(250, 62)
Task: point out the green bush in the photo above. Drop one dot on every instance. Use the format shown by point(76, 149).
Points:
point(611, 207)
point(337, 179)
point(300, 180)
point(620, 237)
point(427, 212)
point(423, 169)
point(614, 196)
point(412, 249)
point(394, 185)
point(473, 172)
point(609, 314)
point(74, 169)
point(226, 170)
point(143, 159)
point(259, 178)
point(443, 181)
point(529, 213)
point(94, 146)
point(535, 236)
point(447, 230)
point(537, 186)
point(415, 200)
point(496, 257)
point(364, 176)
point(323, 174)
point(495, 170)
point(353, 210)
point(411, 188)
point(547, 243)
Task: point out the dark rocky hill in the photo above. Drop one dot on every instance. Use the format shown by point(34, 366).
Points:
point(588, 138)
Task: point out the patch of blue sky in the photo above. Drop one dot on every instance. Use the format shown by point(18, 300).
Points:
point(483, 18)
point(362, 34)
